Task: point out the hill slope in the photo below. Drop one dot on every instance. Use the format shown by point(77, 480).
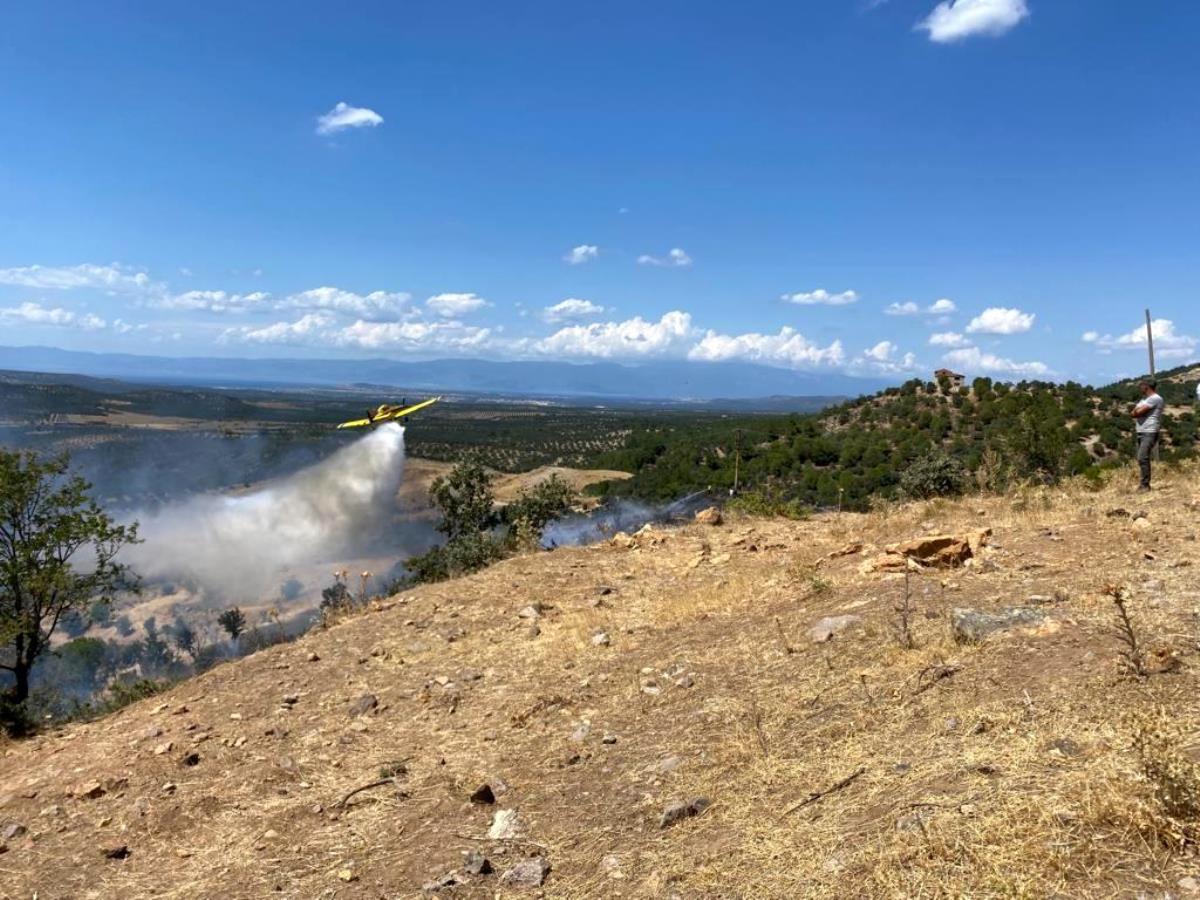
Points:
point(999, 433)
point(853, 768)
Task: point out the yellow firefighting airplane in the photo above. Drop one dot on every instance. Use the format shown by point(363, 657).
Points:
point(386, 413)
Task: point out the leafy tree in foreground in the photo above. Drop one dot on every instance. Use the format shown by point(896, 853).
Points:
point(540, 505)
point(465, 500)
point(58, 555)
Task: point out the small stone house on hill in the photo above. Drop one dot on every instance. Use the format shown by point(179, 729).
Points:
point(953, 379)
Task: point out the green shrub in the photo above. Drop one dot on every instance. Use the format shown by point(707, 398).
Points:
point(936, 474)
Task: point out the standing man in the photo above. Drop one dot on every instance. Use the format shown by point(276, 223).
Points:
point(1148, 415)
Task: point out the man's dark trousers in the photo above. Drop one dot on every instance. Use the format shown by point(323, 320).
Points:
point(1146, 445)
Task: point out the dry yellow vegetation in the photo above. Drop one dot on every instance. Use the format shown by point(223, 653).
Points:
point(592, 688)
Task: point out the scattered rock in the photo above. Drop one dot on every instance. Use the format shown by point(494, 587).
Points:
point(504, 825)
point(710, 516)
point(476, 863)
point(445, 882)
point(913, 821)
point(825, 629)
point(528, 873)
point(312, 657)
point(364, 704)
point(669, 764)
point(601, 639)
point(164, 748)
point(1064, 747)
point(850, 549)
point(939, 551)
point(87, 791)
point(608, 738)
point(611, 866)
point(533, 611)
point(190, 759)
point(483, 795)
point(290, 699)
point(605, 590)
point(580, 734)
point(683, 809)
point(12, 831)
point(51, 811)
point(972, 625)
point(532, 631)
point(685, 680)
point(120, 851)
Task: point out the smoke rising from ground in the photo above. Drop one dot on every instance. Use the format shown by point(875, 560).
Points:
point(238, 546)
point(621, 515)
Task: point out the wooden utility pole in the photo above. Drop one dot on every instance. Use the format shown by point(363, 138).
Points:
point(737, 456)
point(1150, 342)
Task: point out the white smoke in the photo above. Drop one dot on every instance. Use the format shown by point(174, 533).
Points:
point(239, 545)
point(621, 515)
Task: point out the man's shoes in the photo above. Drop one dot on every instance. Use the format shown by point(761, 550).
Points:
point(1144, 489)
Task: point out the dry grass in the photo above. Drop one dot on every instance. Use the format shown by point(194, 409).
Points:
point(1012, 768)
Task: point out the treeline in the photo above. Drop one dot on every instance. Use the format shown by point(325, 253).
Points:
point(996, 432)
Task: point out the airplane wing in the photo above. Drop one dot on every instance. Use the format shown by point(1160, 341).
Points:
point(397, 414)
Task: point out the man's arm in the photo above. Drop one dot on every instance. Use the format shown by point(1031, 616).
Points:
point(1140, 410)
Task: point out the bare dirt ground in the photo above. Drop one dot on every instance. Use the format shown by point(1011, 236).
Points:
point(674, 667)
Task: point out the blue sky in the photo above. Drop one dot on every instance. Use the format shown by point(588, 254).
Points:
point(997, 185)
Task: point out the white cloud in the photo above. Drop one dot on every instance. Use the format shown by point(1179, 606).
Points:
point(883, 358)
point(581, 254)
point(941, 307)
point(1001, 320)
point(303, 330)
point(344, 116)
point(212, 301)
point(30, 313)
point(948, 339)
point(1168, 343)
point(821, 297)
point(120, 326)
point(974, 359)
point(375, 305)
point(113, 279)
point(631, 338)
point(675, 258)
point(318, 329)
point(789, 348)
point(451, 306)
point(881, 352)
point(412, 336)
point(571, 309)
point(954, 20)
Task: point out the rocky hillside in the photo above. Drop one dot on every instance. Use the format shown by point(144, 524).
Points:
point(751, 709)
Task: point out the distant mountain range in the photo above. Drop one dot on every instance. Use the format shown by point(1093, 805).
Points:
point(665, 380)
